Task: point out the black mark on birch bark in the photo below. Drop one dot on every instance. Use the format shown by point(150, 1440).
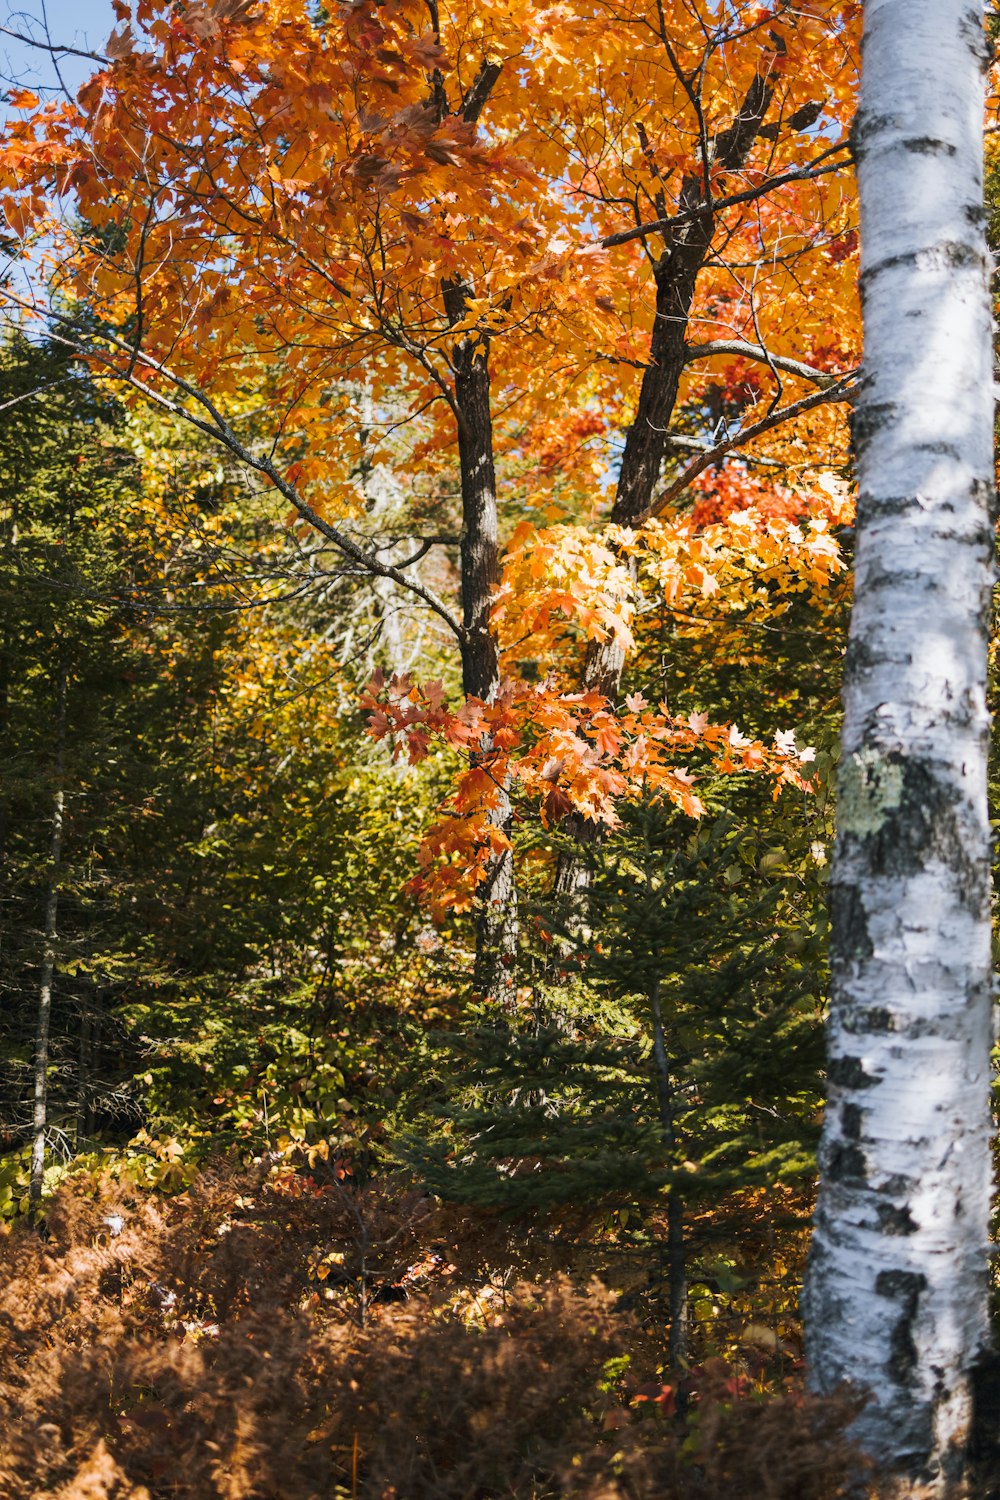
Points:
point(867, 420)
point(893, 1219)
point(845, 1162)
point(849, 920)
point(924, 827)
point(904, 1288)
point(849, 1073)
point(869, 1020)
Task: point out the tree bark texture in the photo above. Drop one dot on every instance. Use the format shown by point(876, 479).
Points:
point(896, 1294)
point(676, 277)
point(497, 919)
point(676, 274)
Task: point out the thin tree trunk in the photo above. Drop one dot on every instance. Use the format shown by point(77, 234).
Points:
point(8, 657)
point(497, 916)
point(676, 1246)
point(90, 1118)
point(40, 1112)
point(677, 1283)
point(896, 1294)
point(497, 919)
point(83, 1078)
point(676, 277)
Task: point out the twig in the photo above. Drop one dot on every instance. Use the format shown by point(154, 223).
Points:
point(661, 226)
point(54, 50)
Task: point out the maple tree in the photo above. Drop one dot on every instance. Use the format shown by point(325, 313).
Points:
point(235, 965)
point(529, 237)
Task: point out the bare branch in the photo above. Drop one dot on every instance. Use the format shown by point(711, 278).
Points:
point(217, 428)
point(39, 390)
point(744, 350)
point(54, 50)
point(698, 445)
point(844, 390)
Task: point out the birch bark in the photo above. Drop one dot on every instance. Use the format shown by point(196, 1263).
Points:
point(896, 1290)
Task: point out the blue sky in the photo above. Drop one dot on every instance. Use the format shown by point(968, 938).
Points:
point(86, 24)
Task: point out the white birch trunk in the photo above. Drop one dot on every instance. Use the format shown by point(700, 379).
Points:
point(896, 1290)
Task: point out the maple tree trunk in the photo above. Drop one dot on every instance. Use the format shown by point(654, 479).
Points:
point(676, 276)
point(41, 1064)
point(896, 1293)
point(497, 919)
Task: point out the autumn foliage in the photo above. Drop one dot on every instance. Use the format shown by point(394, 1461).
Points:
point(568, 753)
point(444, 221)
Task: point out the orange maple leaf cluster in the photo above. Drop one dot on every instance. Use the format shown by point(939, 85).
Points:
point(564, 753)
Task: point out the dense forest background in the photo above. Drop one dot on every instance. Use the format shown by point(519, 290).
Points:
point(240, 974)
point(238, 958)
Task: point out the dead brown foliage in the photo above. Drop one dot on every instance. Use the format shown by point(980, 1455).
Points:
point(197, 1354)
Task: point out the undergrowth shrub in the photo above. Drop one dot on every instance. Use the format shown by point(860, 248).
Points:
point(279, 1335)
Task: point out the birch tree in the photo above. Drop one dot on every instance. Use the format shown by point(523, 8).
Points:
point(896, 1297)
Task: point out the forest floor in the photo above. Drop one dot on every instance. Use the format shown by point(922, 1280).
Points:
point(278, 1333)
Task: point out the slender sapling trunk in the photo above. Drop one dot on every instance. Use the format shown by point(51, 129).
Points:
point(41, 1065)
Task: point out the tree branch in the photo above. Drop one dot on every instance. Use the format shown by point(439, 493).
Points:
point(697, 445)
point(220, 431)
point(744, 350)
point(39, 390)
point(54, 50)
point(664, 226)
point(480, 92)
point(843, 390)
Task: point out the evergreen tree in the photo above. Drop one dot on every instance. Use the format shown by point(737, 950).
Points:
point(677, 1057)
